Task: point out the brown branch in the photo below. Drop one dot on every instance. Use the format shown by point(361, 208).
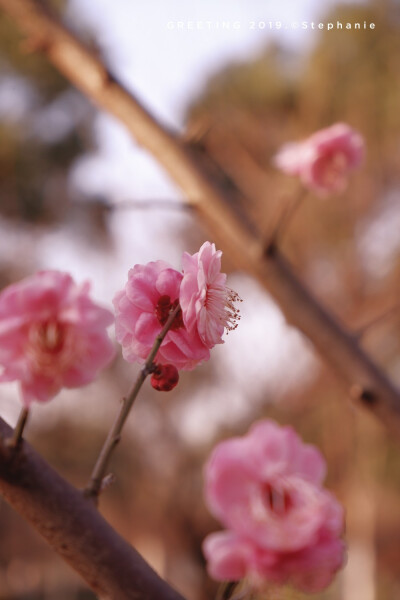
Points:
point(233, 231)
point(150, 204)
point(143, 204)
point(369, 384)
point(16, 438)
point(73, 527)
point(93, 488)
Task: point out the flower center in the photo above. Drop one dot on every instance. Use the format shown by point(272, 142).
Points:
point(335, 169)
point(279, 502)
point(48, 337)
point(50, 347)
point(164, 308)
point(220, 302)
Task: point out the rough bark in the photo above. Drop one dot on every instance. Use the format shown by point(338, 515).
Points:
point(74, 528)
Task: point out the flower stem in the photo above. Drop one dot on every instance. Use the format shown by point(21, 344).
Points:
point(16, 438)
point(226, 589)
point(95, 484)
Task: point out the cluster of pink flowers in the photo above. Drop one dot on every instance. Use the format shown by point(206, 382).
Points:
point(282, 526)
point(323, 161)
point(153, 290)
point(266, 487)
point(51, 335)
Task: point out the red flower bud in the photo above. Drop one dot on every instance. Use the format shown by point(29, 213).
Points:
point(164, 378)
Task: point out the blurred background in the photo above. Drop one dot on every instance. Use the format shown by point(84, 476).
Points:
point(77, 194)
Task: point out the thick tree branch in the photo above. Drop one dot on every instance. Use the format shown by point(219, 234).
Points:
point(70, 523)
point(369, 385)
point(233, 232)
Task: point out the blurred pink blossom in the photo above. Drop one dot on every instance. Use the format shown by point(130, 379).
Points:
point(52, 335)
point(207, 303)
point(266, 488)
point(324, 160)
point(142, 309)
point(233, 557)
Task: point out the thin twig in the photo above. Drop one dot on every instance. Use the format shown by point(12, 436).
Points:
point(15, 440)
point(151, 204)
point(94, 486)
point(239, 595)
point(225, 589)
point(361, 331)
point(285, 219)
point(144, 204)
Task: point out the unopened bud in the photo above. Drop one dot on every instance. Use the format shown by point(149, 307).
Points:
point(164, 378)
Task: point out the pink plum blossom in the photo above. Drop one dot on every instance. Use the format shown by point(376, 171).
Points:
point(52, 335)
point(266, 489)
point(142, 309)
point(233, 557)
point(324, 160)
point(207, 303)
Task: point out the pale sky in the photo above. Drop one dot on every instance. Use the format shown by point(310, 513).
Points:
point(164, 51)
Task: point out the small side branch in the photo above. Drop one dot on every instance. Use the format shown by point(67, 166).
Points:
point(95, 484)
point(285, 220)
point(15, 440)
point(387, 314)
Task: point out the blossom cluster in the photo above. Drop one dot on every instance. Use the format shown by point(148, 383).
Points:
point(282, 526)
point(324, 160)
point(153, 290)
point(52, 335)
point(266, 487)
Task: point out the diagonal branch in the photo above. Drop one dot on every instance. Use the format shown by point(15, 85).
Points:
point(114, 435)
point(233, 231)
point(73, 527)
